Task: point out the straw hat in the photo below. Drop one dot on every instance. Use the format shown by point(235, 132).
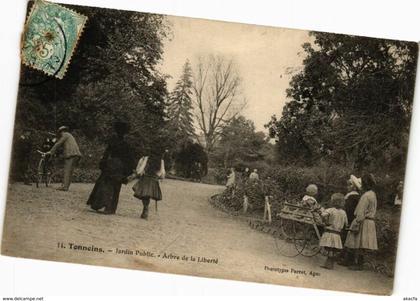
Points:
point(357, 182)
point(63, 128)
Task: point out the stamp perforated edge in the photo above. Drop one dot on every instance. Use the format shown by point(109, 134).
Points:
point(60, 74)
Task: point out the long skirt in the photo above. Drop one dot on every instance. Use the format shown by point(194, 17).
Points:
point(331, 240)
point(147, 187)
point(105, 193)
point(365, 238)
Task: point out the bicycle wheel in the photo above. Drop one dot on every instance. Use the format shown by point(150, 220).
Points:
point(47, 172)
point(52, 175)
point(47, 179)
point(39, 172)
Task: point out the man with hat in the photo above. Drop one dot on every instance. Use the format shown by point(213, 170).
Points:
point(71, 154)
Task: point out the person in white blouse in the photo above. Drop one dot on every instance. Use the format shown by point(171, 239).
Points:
point(150, 169)
point(362, 234)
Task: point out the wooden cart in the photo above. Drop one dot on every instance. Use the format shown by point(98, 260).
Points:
point(300, 231)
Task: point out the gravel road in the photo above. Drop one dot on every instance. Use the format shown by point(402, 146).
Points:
point(185, 236)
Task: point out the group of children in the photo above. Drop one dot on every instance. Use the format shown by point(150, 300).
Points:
point(345, 212)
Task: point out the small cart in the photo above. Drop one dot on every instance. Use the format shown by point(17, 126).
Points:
point(300, 231)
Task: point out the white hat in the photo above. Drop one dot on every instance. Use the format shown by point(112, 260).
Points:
point(357, 182)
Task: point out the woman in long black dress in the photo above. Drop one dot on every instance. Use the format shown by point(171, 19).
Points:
point(117, 163)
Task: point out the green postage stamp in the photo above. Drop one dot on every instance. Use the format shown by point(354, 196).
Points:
point(50, 37)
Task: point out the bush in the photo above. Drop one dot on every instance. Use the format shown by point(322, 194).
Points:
point(215, 176)
point(92, 152)
point(80, 175)
point(287, 183)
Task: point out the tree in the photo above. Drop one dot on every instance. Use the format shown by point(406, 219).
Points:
point(112, 75)
point(239, 143)
point(190, 160)
point(216, 96)
point(181, 121)
point(351, 103)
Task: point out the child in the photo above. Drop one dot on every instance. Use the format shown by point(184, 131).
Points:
point(149, 170)
point(399, 195)
point(335, 220)
point(231, 181)
point(309, 199)
point(254, 176)
point(362, 235)
point(351, 199)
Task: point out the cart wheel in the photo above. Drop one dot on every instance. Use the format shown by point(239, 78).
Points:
point(287, 228)
point(306, 241)
point(284, 239)
point(323, 252)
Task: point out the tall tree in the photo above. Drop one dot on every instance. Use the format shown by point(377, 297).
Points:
point(113, 74)
point(216, 96)
point(351, 103)
point(180, 111)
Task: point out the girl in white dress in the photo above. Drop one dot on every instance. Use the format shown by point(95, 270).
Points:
point(335, 219)
point(362, 234)
point(231, 178)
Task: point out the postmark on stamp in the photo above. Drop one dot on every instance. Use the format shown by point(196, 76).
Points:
point(50, 37)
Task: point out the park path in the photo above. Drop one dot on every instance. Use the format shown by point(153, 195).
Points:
point(185, 225)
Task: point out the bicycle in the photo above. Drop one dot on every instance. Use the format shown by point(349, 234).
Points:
point(44, 169)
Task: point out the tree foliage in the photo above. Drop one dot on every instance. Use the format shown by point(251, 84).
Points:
point(239, 144)
point(191, 160)
point(181, 121)
point(351, 103)
point(112, 75)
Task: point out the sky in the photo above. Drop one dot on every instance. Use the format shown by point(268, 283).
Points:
point(263, 56)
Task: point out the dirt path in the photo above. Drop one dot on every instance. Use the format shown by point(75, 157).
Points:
point(185, 225)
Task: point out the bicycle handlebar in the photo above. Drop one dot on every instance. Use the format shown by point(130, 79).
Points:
point(42, 153)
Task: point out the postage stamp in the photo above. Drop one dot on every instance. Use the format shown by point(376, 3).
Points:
point(50, 37)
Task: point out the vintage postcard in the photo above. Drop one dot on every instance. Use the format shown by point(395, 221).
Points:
point(208, 148)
